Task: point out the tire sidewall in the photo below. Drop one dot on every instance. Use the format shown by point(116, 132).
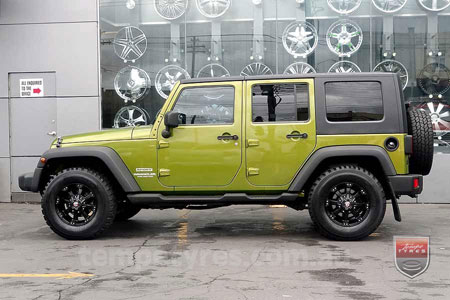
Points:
point(376, 201)
point(97, 188)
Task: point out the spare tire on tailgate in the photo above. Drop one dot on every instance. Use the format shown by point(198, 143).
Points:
point(421, 129)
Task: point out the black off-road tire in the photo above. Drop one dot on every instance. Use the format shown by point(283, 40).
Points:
point(126, 210)
point(102, 189)
point(319, 193)
point(421, 129)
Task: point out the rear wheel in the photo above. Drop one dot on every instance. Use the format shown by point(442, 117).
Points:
point(79, 203)
point(421, 129)
point(346, 202)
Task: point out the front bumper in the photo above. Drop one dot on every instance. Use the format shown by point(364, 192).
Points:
point(410, 185)
point(29, 182)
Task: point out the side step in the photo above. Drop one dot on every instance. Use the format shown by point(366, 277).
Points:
point(150, 199)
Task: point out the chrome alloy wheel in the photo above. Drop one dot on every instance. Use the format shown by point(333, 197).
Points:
point(393, 66)
point(299, 68)
point(344, 66)
point(131, 84)
point(130, 116)
point(389, 6)
point(255, 69)
point(434, 5)
point(130, 43)
point(213, 8)
point(213, 70)
point(344, 6)
point(167, 77)
point(300, 39)
point(344, 38)
point(170, 9)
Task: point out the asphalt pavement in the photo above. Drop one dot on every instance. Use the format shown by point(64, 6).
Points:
point(237, 252)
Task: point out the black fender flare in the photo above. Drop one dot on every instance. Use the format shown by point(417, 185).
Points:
point(349, 151)
point(107, 155)
point(340, 151)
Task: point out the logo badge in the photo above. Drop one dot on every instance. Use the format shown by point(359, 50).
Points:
point(412, 255)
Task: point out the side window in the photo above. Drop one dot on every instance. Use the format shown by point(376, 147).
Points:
point(280, 103)
point(354, 101)
point(206, 105)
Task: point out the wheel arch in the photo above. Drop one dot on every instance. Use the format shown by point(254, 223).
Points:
point(103, 159)
point(373, 158)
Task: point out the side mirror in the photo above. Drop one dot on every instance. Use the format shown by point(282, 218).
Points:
point(172, 120)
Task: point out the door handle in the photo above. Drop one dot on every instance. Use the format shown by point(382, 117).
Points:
point(227, 137)
point(52, 133)
point(297, 136)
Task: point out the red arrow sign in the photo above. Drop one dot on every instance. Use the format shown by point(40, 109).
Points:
point(37, 91)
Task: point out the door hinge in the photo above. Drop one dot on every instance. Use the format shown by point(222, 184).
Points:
point(252, 171)
point(164, 172)
point(163, 144)
point(252, 142)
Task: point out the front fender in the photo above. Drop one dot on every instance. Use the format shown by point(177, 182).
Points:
point(107, 155)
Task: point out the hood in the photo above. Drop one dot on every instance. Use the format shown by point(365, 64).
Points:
point(105, 135)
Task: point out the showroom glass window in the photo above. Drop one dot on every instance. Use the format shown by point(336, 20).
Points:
point(206, 38)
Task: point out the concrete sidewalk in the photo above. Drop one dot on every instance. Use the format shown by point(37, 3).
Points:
point(246, 252)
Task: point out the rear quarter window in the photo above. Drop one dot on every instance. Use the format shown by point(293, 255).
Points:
point(357, 101)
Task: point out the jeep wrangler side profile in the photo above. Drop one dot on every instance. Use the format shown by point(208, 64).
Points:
point(339, 145)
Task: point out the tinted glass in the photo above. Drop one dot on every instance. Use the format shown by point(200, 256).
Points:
point(354, 101)
point(206, 105)
point(280, 103)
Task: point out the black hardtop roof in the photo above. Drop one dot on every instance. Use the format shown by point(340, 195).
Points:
point(343, 76)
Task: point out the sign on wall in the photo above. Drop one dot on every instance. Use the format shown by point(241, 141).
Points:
point(32, 87)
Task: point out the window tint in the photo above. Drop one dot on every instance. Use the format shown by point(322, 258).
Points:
point(354, 101)
point(206, 105)
point(280, 103)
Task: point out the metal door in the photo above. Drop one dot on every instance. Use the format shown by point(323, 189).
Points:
point(33, 122)
point(276, 149)
point(206, 149)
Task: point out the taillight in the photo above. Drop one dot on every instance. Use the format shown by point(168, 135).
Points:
point(416, 183)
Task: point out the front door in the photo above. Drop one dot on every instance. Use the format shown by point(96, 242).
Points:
point(206, 149)
point(280, 129)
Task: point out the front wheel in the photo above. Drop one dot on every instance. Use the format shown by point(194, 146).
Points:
point(79, 203)
point(346, 202)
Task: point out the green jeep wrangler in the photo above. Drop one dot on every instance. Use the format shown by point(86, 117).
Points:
point(338, 145)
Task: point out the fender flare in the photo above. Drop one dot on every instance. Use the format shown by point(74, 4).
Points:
point(340, 151)
point(107, 155)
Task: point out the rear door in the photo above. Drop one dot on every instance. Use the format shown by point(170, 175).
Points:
point(280, 129)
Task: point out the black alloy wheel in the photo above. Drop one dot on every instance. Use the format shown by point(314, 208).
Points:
point(79, 203)
point(76, 204)
point(347, 204)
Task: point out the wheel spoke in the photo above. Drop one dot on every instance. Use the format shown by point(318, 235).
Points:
point(75, 201)
point(347, 204)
